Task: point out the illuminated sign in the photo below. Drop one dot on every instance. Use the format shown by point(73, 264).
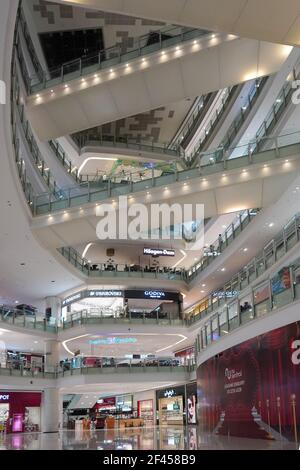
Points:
point(169, 393)
point(113, 340)
point(154, 294)
point(91, 293)
point(158, 252)
point(211, 253)
point(225, 295)
point(128, 294)
point(72, 298)
point(105, 293)
point(4, 397)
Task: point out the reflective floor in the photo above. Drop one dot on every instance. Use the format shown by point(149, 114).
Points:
point(156, 438)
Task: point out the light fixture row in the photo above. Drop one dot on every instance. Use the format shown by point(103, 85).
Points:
point(143, 60)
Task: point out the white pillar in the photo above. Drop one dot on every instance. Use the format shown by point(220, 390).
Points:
point(50, 410)
point(55, 304)
point(51, 352)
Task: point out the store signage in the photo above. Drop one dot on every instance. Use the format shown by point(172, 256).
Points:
point(211, 253)
point(92, 293)
point(151, 294)
point(72, 298)
point(154, 294)
point(105, 293)
point(128, 294)
point(158, 252)
point(4, 397)
point(169, 393)
point(113, 340)
point(227, 295)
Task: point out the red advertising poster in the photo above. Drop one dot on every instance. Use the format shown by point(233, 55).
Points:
point(253, 389)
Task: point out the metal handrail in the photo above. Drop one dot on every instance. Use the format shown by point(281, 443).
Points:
point(281, 244)
point(115, 55)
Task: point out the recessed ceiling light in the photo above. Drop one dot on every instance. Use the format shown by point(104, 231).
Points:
point(52, 91)
point(203, 285)
point(111, 70)
point(16, 301)
point(223, 269)
point(271, 224)
point(245, 249)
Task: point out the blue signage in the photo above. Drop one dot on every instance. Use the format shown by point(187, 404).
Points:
point(112, 340)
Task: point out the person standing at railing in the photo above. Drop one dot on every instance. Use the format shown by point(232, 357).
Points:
point(220, 242)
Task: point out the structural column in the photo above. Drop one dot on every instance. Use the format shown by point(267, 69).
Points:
point(51, 355)
point(53, 308)
point(50, 410)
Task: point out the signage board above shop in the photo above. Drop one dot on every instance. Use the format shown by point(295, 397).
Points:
point(92, 293)
point(159, 252)
point(128, 294)
point(152, 294)
point(4, 397)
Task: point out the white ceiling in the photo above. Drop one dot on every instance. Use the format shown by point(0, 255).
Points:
point(268, 20)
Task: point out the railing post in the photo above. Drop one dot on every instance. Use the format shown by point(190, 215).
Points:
point(276, 147)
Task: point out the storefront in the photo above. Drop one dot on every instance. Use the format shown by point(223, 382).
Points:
point(171, 406)
point(155, 303)
point(144, 403)
point(20, 411)
point(253, 389)
point(186, 356)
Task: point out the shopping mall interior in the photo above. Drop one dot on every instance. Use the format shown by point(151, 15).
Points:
point(150, 235)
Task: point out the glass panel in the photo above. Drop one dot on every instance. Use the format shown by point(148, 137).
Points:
point(246, 308)
point(233, 316)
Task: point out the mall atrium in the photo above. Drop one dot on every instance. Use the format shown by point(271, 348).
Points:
point(150, 235)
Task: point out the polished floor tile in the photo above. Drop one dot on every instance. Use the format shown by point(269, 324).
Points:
point(156, 438)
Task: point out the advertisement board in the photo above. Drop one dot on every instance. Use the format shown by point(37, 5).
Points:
point(253, 389)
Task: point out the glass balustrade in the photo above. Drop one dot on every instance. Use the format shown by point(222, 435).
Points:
point(115, 55)
point(122, 270)
point(280, 147)
point(101, 365)
point(282, 243)
point(234, 308)
point(87, 140)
